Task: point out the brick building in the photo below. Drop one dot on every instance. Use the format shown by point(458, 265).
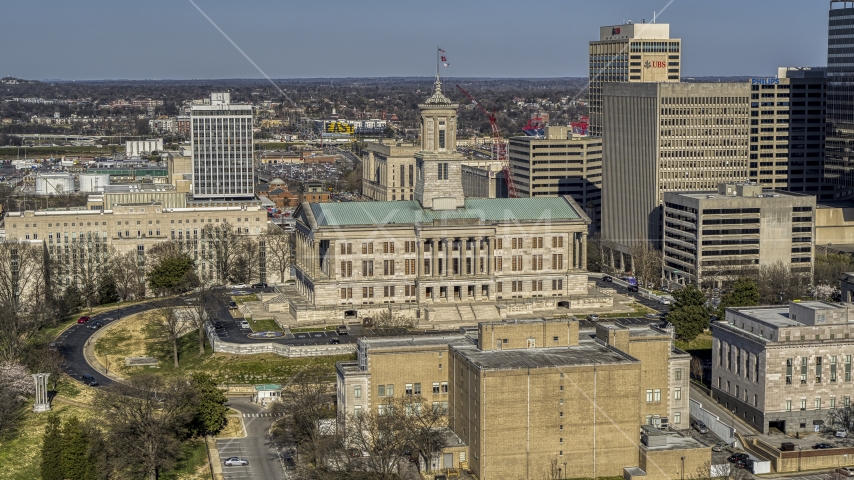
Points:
point(522, 394)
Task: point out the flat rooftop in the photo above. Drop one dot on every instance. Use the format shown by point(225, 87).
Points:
point(774, 316)
point(587, 352)
point(676, 441)
point(415, 341)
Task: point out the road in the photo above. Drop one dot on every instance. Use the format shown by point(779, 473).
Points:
point(725, 416)
point(636, 296)
point(264, 462)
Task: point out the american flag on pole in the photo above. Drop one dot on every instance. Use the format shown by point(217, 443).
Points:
point(444, 59)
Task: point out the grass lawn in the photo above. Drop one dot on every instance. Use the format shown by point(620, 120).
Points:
point(700, 347)
point(133, 337)
point(233, 427)
point(245, 298)
point(193, 463)
point(264, 325)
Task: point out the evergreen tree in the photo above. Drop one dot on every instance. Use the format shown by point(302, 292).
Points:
point(97, 465)
point(51, 468)
point(75, 450)
point(744, 293)
point(107, 291)
point(210, 415)
point(689, 314)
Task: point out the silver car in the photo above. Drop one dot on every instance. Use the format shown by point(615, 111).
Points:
point(236, 462)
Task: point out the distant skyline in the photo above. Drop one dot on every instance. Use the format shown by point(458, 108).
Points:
point(159, 39)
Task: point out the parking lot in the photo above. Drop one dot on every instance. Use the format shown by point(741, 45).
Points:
point(236, 448)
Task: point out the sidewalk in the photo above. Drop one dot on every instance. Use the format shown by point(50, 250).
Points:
point(92, 360)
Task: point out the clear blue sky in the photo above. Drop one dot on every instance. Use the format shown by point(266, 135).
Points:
point(108, 39)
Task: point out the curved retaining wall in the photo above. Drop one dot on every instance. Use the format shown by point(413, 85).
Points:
point(291, 351)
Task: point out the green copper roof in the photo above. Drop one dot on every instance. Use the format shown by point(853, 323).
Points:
point(483, 209)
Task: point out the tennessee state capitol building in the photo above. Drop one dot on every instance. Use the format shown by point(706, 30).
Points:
point(441, 253)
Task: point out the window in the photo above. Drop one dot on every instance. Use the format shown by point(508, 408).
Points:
point(755, 400)
point(803, 370)
point(435, 387)
point(389, 390)
point(417, 389)
point(357, 391)
point(847, 368)
point(347, 269)
point(677, 393)
point(788, 371)
point(788, 405)
point(357, 410)
point(833, 368)
point(803, 404)
point(442, 139)
point(678, 374)
point(408, 390)
point(444, 387)
point(380, 390)
point(832, 402)
point(657, 394)
point(818, 403)
point(818, 361)
point(649, 395)
point(367, 268)
point(677, 418)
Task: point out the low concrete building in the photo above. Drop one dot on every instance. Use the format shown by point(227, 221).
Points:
point(713, 237)
point(787, 368)
point(485, 181)
point(523, 394)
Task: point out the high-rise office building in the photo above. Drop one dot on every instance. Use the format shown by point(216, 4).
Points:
point(633, 52)
point(221, 135)
point(787, 131)
point(839, 147)
point(559, 163)
point(666, 137)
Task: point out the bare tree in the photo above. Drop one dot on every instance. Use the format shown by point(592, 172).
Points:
point(426, 428)
point(247, 265)
point(24, 291)
point(308, 411)
point(147, 416)
point(646, 264)
point(129, 276)
point(778, 283)
point(169, 323)
point(89, 258)
point(390, 323)
point(223, 246)
point(168, 249)
point(379, 438)
point(697, 368)
point(277, 246)
point(201, 313)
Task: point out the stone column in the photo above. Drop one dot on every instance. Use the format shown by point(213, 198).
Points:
point(434, 258)
point(419, 259)
point(42, 403)
point(489, 255)
point(464, 243)
point(476, 255)
point(584, 251)
point(447, 256)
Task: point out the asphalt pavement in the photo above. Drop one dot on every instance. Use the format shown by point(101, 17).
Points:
point(263, 456)
point(636, 296)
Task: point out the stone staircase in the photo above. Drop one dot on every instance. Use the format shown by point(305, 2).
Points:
point(444, 314)
point(280, 298)
point(466, 313)
point(485, 312)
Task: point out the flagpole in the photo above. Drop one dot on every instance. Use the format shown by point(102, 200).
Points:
point(437, 60)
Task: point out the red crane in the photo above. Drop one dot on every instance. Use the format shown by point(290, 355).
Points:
point(499, 150)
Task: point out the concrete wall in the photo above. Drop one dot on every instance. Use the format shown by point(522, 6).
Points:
point(293, 351)
point(721, 429)
point(674, 464)
point(834, 225)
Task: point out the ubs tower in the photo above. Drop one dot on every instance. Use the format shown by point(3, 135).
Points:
point(839, 146)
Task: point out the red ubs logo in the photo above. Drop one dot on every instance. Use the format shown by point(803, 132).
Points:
point(656, 64)
point(615, 31)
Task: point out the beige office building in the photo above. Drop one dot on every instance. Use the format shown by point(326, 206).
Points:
point(522, 394)
point(388, 172)
point(666, 137)
point(560, 163)
point(714, 237)
point(629, 53)
point(74, 236)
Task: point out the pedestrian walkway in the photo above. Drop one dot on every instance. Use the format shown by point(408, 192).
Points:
point(263, 414)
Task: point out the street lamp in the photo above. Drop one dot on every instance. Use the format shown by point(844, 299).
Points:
point(564, 470)
point(682, 473)
point(799, 457)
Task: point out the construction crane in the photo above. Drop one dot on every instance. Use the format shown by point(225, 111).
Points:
point(499, 150)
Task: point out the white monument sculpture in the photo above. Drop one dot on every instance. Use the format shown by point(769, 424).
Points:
point(42, 401)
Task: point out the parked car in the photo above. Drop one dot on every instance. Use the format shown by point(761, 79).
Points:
point(89, 380)
point(700, 426)
point(218, 325)
point(745, 463)
point(665, 300)
point(842, 432)
point(652, 315)
point(607, 278)
point(232, 304)
point(342, 330)
point(845, 471)
point(820, 446)
point(719, 447)
point(334, 341)
point(82, 319)
point(632, 288)
point(593, 317)
point(244, 324)
point(236, 462)
point(240, 285)
point(735, 457)
point(259, 285)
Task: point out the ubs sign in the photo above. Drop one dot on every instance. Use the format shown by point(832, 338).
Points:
point(764, 81)
point(655, 64)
